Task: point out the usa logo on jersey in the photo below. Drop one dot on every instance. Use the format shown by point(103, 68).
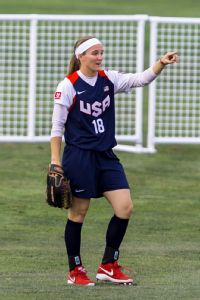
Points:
point(96, 108)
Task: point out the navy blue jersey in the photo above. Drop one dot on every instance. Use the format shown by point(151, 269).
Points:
point(91, 119)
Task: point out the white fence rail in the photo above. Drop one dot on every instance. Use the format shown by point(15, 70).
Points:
point(34, 54)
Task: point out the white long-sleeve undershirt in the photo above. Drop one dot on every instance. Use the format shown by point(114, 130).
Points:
point(59, 119)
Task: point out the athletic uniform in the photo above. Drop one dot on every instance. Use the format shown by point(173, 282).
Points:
point(87, 113)
point(85, 110)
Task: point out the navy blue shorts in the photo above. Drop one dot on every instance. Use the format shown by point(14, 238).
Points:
point(91, 173)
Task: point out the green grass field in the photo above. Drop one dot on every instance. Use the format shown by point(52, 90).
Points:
point(162, 242)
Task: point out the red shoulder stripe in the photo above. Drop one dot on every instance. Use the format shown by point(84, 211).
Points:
point(102, 73)
point(73, 77)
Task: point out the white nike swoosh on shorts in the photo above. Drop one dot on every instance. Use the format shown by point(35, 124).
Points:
point(79, 191)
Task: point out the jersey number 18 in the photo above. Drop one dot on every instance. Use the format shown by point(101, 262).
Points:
point(98, 126)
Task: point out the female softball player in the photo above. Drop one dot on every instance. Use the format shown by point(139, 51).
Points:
point(85, 110)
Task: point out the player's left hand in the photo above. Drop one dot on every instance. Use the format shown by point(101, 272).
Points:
point(169, 58)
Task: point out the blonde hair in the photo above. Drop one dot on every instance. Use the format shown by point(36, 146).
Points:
point(74, 64)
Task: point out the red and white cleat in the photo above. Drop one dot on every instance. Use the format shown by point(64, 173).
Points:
point(78, 276)
point(111, 272)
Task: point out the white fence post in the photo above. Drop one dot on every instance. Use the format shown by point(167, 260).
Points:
point(139, 91)
point(32, 77)
point(152, 90)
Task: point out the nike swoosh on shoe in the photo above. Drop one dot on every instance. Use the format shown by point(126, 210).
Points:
point(110, 273)
point(72, 279)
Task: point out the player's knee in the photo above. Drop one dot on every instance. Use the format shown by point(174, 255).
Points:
point(78, 215)
point(129, 209)
point(82, 212)
point(126, 210)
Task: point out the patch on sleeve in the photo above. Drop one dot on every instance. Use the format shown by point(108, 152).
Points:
point(57, 95)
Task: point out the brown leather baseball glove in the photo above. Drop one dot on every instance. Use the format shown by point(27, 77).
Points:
point(58, 188)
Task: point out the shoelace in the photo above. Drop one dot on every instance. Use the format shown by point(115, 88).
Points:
point(82, 272)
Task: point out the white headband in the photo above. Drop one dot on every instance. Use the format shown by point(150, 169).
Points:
point(86, 45)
